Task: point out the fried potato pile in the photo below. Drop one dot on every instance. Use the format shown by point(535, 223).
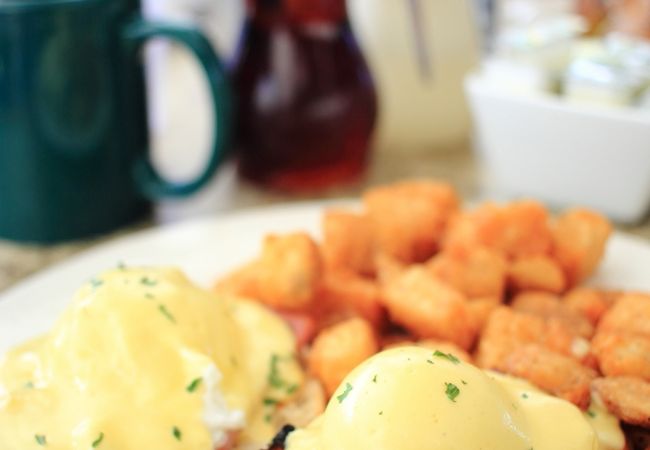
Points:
point(497, 285)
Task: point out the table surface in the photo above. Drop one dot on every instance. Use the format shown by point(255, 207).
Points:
point(182, 90)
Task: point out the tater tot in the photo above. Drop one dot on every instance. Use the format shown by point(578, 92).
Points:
point(347, 242)
point(339, 349)
point(517, 229)
point(429, 308)
point(507, 329)
point(504, 330)
point(345, 294)
point(387, 267)
point(408, 218)
point(549, 306)
point(476, 272)
point(243, 282)
point(630, 314)
point(480, 309)
point(289, 271)
point(622, 354)
point(589, 303)
point(579, 239)
point(555, 373)
point(536, 272)
point(628, 398)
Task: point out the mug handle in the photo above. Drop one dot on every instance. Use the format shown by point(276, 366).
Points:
point(147, 178)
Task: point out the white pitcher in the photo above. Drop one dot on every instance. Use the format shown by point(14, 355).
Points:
point(419, 52)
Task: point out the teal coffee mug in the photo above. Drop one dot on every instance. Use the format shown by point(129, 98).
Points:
point(74, 150)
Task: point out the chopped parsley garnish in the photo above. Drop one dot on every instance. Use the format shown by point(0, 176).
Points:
point(148, 281)
point(270, 401)
point(452, 391)
point(267, 418)
point(194, 385)
point(98, 441)
point(590, 413)
point(524, 395)
point(429, 361)
point(463, 381)
point(344, 394)
point(381, 413)
point(447, 356)
point(374, 379)
point(29, 385)
point(149, 295)
point(177, 433)
point(95, 283)
point(274, 378)
point(165, 312)
point(40, 439)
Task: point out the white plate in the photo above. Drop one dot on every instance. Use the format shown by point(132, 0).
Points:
point(210, 247)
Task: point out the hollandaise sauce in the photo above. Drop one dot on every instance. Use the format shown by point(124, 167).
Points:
point(415, 399)
point(143, 359)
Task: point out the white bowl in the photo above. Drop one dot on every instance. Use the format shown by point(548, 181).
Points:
point(538, 145)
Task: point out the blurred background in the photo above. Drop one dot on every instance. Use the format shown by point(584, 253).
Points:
point(503, 98)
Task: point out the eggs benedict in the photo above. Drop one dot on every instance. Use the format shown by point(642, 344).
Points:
point(142, 358)
point(411, 398)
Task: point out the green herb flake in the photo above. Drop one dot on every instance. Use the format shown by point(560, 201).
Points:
point(177, 433)
point(524, 395)
point(121, 265)
point(267, 418)
point(95, 283)
point(148, 281)
point(165, 312)
point(193, 386)
point(29, 385)
point(40, 439)
point(447, 356)
point(591, 413)
point(344, 394)
point(149, 295)
point(464, 382)
point(452, 391)
point(429, 361)
point(274, 378)
point(292, 388)
point(98, 441)
point(381, 413)
point(270, 402)
point(374, 379)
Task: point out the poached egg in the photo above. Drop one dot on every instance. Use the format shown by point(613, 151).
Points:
point(142, 358)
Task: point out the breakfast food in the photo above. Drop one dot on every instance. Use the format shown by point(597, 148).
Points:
point(499, 284)
point(413, 398)
point(144, 359)
point(467, 329)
